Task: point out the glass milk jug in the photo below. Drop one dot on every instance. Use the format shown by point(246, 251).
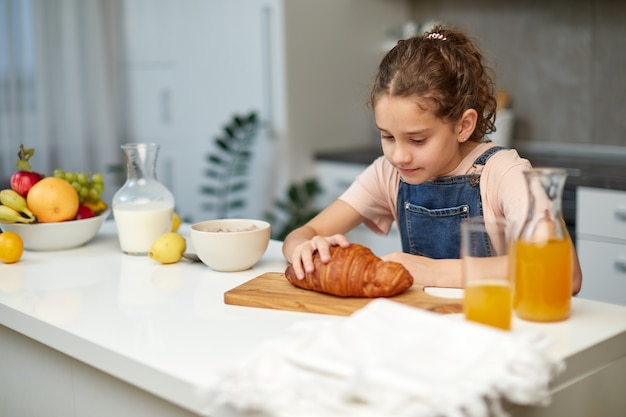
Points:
point(543, 252)
point(143, 207)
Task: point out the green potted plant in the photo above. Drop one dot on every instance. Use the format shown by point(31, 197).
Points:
point(227, 172)
point(297, 209)
point(228, 165)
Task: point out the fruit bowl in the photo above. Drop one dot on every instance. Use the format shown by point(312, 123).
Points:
point(230, 245)
point(57, 236)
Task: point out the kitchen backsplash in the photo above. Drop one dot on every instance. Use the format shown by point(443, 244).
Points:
point(561, 61)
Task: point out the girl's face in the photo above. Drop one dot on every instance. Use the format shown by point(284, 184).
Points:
point(420, 145)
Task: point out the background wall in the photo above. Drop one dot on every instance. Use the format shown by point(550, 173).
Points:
point(333, 48)
point(303, 66)
point(562, 61)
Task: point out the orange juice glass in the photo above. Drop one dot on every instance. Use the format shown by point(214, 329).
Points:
point(543, 280)
point(489, 302)
point(486, 272)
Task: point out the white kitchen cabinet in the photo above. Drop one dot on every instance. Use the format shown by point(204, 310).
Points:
point(189, 67)
point(63, 386)
point(601, 243)
point(303, 66)
point(334, 178)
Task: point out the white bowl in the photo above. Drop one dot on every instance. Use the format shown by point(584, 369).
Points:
point(230, 245)
point(57, 235)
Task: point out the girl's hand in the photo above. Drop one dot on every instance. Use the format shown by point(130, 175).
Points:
point(302, 256)
point(429, 272)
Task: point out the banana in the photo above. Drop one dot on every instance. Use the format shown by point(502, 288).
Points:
point(13, 200)
point(8, 215)
point(96, 206)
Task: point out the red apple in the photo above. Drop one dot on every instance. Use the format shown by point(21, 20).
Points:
point(22, 181)
point(84, 212)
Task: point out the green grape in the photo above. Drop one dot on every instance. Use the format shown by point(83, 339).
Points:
point(99, 187)
point(86, 187)
point(70, 177)
point(94, 194)
point(97, 178)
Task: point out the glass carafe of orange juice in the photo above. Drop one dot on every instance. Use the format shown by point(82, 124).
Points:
point(543, 253)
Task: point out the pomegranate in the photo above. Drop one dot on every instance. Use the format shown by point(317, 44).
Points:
point(23, 179)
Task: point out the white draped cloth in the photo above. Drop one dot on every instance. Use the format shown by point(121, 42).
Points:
point(388, 359)
point(59, 84)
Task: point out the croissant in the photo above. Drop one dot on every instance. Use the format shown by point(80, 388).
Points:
point(354, 272)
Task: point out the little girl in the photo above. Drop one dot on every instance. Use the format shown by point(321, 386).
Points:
point(433, 101)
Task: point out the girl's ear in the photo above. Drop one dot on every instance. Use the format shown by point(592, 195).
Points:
point(466, 125)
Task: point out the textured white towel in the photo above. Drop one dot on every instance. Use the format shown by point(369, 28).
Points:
point(388, 359)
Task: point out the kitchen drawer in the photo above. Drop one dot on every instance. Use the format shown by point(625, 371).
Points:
point(604, 271)
point(601, 212)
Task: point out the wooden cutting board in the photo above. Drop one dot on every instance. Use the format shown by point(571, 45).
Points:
point(272, 290)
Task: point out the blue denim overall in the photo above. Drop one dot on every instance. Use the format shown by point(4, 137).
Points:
point(430, 213)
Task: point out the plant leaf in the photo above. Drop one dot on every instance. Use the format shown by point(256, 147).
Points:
point(237, 187)
point(211, 173)
point(208, 189)
point(229, 132)
point(229, 163)
point(222, 144)
point(214, 159)
point(237, 203)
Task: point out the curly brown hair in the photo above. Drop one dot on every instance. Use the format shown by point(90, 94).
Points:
point(446, 72)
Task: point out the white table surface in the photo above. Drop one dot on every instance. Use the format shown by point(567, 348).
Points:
point(166, 329)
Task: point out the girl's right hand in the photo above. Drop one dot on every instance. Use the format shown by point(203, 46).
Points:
point(302, 255)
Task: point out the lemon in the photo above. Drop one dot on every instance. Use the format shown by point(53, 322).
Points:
point(176, 222)
point(168, 248)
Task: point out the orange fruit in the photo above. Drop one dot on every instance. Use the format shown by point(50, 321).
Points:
point(53, 200)
point(11, 247)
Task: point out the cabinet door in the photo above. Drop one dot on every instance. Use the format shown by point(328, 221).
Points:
point(150, 32)
point(190, 67)
point(601, 213)
point(604, 271)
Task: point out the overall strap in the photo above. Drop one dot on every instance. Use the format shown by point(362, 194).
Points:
point(482, 159)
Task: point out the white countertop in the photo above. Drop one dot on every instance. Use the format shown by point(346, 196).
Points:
point(166, 329)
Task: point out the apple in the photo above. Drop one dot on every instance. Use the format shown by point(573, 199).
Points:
point(84, 212)
point(23, 179)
